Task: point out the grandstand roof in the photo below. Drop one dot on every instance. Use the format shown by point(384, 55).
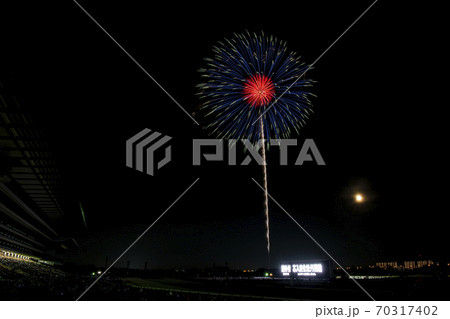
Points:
point(30, 182)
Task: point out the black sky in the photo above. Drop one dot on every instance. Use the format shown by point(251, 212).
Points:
point(374, 123)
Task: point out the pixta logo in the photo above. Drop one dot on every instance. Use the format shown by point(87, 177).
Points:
point(308, 151)
point(140, 151)
point(141, 148)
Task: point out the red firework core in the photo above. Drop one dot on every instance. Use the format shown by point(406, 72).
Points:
point(259, 90)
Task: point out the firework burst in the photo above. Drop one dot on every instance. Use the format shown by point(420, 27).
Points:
point(252, 75)
point(254, 79)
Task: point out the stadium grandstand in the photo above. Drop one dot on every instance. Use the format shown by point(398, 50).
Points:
point(30, 193)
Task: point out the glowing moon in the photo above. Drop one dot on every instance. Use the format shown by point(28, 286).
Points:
point(359, 198)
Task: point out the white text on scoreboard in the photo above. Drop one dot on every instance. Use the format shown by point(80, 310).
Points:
point(301, 269)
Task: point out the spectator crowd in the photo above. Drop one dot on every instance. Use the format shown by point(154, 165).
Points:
point(25, 280)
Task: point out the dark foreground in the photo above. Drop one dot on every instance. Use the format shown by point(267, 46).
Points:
point(21, 280)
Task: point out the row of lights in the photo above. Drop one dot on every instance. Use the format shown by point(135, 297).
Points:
point(11, 254)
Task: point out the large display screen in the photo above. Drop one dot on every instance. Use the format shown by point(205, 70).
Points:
point(302, 269)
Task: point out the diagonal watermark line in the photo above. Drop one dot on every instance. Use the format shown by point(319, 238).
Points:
point(315, 61)
point(137, 239)
point(136, 62)
point(315, 241)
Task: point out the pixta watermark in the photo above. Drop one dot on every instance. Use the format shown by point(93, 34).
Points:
point(308, 151)
point(142, 155)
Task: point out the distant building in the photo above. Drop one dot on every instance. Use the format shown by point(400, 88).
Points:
point(418, 264)
point(415, 264)
point(388, 264)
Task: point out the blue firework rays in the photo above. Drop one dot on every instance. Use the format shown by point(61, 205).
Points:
point(252, 75)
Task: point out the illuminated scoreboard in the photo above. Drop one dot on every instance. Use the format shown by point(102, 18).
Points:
point(306, 269)
point(302, 269)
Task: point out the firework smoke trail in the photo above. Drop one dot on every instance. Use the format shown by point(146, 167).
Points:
point(266, 196)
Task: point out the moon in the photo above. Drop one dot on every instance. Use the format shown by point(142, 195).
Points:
point(359, 198)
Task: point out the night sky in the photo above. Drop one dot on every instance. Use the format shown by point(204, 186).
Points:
point(375, 124)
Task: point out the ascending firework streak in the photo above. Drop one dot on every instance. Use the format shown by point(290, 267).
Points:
point(83, 216)
point(253, 78)
point(266, 193)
